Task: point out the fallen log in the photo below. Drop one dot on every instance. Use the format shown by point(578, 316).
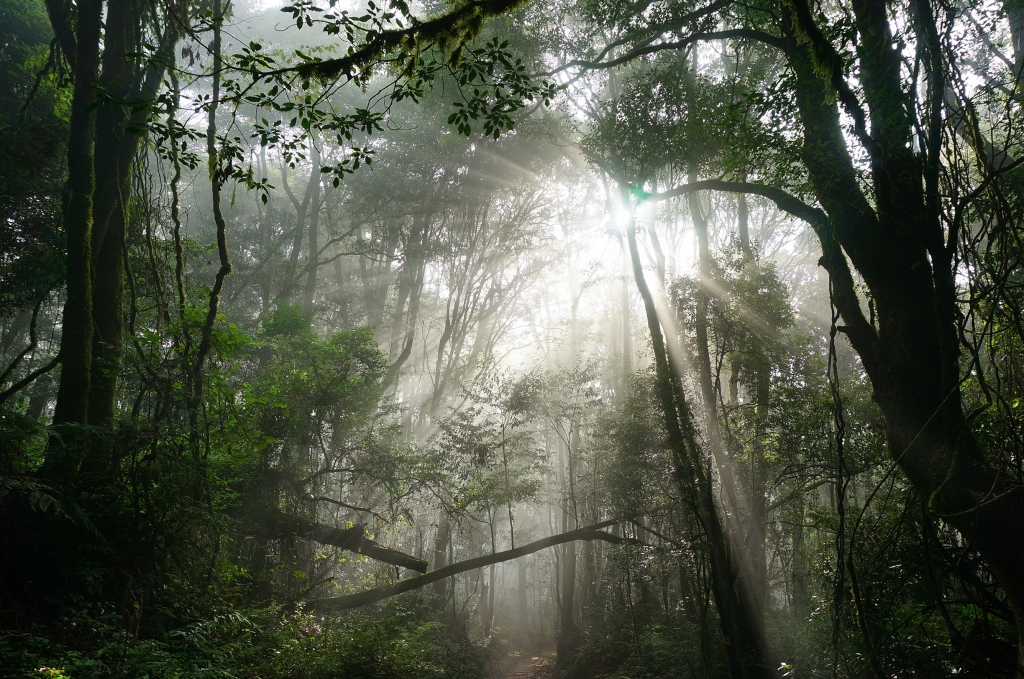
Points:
point(370, 596)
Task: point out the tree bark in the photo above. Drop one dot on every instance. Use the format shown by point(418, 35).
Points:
point(108, 320)
point(77, 329)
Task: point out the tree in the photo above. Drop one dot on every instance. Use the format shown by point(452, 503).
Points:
point(886, 216)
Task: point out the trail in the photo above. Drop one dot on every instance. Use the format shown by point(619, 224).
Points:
point(537, 665)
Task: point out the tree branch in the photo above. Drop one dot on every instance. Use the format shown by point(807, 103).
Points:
point(353, 539)
point(786, 202)
point(860, 332)
point(828, 60)
point(32, 342)
point(461, 24)
point(734, 34)
point(28, 379)
point(648, 35)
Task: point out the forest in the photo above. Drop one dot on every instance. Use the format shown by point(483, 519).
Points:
point(497, 339)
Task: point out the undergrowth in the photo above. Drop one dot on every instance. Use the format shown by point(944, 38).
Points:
point(260, 643)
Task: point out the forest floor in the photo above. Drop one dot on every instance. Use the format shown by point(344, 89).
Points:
point(539, 664)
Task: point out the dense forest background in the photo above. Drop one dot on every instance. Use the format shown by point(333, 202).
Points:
point(657, 339)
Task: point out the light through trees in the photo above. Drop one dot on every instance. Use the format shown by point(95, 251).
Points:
point(506, 339)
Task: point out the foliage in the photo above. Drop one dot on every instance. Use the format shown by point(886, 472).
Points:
point(484, 455)
point(34, 124)
point(246, 643)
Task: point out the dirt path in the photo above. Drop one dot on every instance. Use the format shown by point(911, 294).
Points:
point(530, 666)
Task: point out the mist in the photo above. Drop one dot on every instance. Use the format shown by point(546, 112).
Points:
point(506, 340)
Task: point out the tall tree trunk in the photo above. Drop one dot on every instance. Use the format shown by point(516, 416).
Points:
point(301, 210)
point(524, 609)
point(411, 287)
point(746, 648)
point(1015, 15)
point(77, 329)
point(568, 633)
point(314, 249)
point(441, 542)
point(132, 88)
point(626, 330)
point(491, 587)
point(216, 182)
point(743, 225)
point(588, 590)
point(405, 283)
point(757, 551)
point(800, 568)
point(897, 243)
point(749, 559)
point(709, 397)
point(108, 319)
